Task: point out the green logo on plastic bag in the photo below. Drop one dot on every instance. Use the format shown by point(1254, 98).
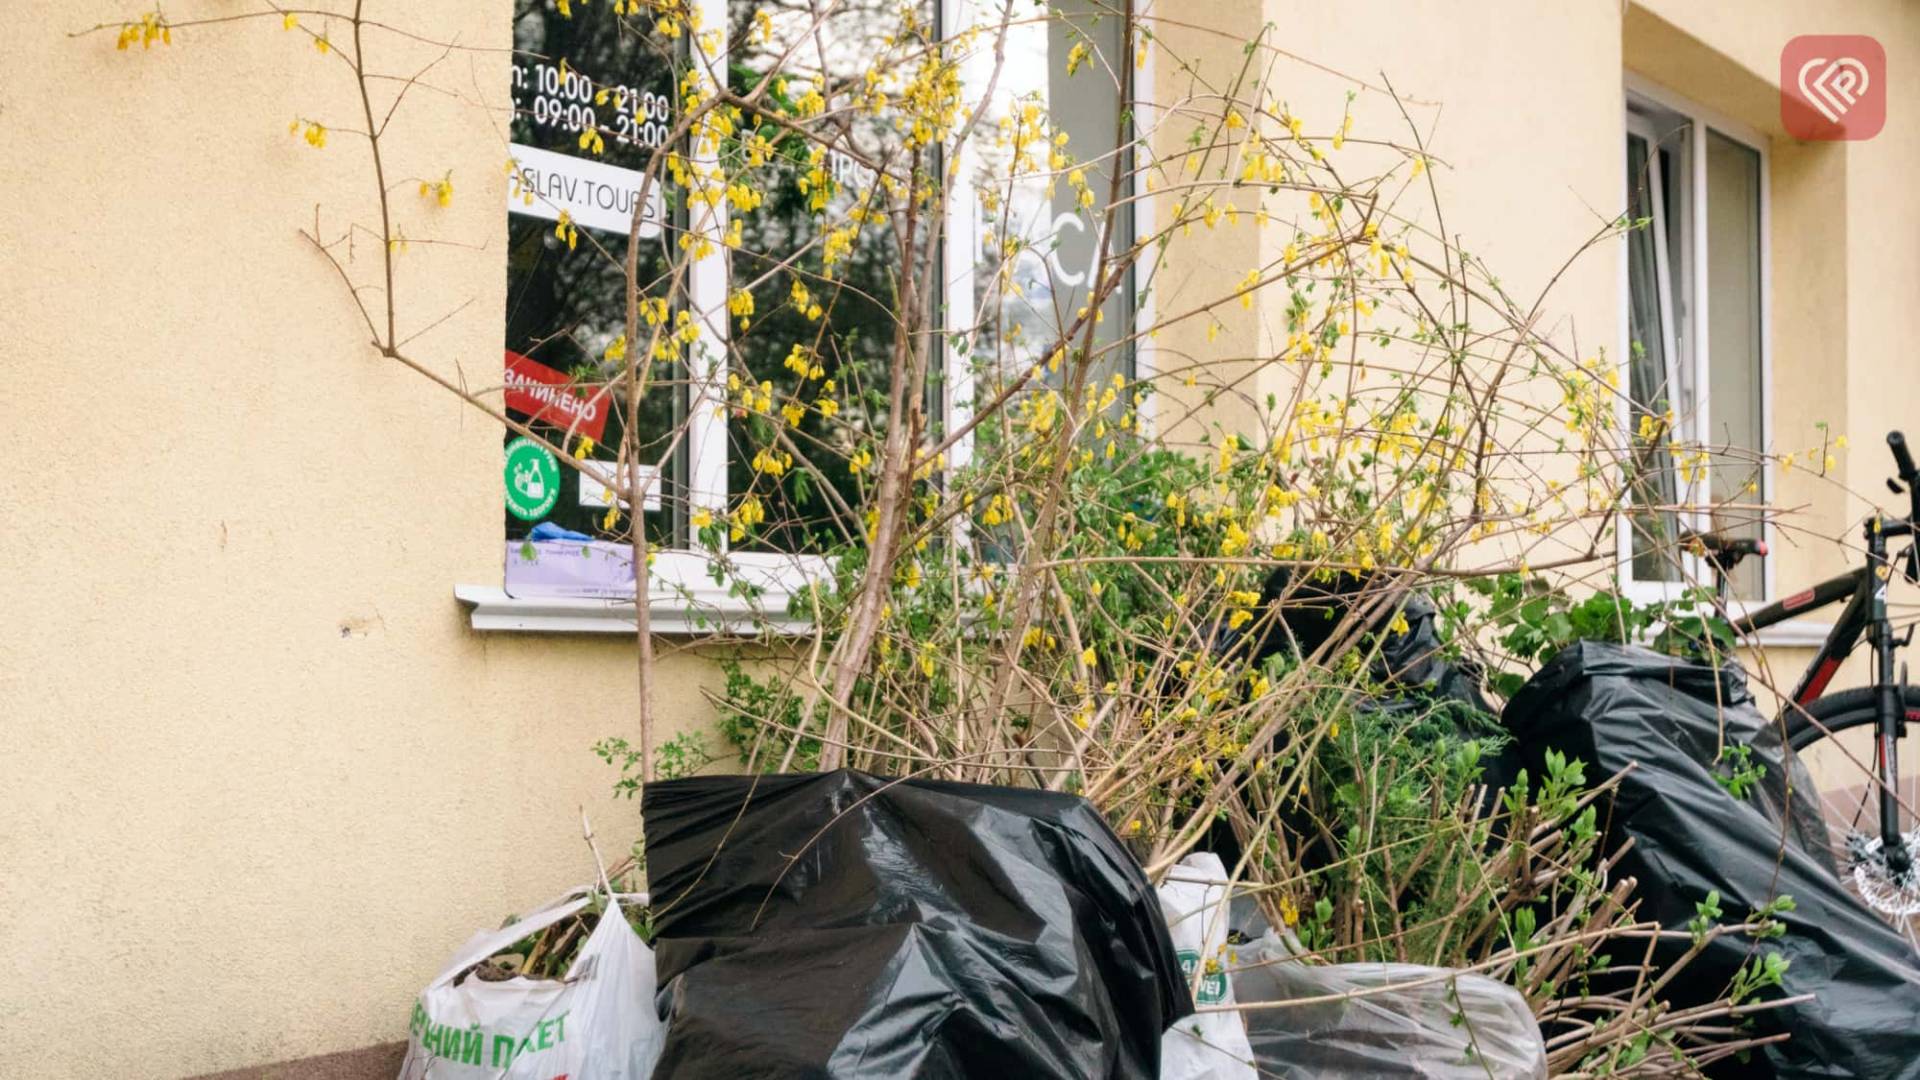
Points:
point(1213, 985)
point(533, 479)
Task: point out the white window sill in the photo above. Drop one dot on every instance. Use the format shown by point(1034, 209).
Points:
point(1794, 634)
point(683, 600)
point(686, 602)
point(493, 610)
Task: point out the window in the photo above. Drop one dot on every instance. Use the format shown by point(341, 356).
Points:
point(1696, 348)
point(565, 301)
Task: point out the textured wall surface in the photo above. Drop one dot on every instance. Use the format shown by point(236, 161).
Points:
point(261, 777)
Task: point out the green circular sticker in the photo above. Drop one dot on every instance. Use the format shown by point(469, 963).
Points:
point(533, 479)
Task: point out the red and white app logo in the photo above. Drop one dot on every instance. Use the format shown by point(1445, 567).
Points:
point(1833, 86)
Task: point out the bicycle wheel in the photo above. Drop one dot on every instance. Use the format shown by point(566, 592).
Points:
point(1834, 738)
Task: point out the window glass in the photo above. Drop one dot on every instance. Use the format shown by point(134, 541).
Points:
point(813, 336)
point(1733, 344)
point(1651, 362)
point(592, 76)
point(1054, 126)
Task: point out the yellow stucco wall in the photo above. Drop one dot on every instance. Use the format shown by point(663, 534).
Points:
point(262, 776)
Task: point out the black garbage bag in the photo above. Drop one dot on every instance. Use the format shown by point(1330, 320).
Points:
point(1414, 662)
point(1414, 665)
point(1613, 706)
point(1410, 663)
point(1415, 673)
point(847, 925)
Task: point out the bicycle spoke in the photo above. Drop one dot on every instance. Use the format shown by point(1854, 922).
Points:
point(1848, 799)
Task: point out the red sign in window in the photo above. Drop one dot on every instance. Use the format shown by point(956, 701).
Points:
point(541, 393)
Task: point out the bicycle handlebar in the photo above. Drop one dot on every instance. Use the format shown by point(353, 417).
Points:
point(1902, 458)
point(1909, 474)
point(1720, 544)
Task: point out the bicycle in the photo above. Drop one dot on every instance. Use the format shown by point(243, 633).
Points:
point(1881, 864)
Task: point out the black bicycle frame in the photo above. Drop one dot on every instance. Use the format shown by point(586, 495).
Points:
point(1865, 590)
point(1841, 640)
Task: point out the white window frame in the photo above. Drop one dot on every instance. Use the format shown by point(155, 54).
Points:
point(682, 595)
point(1689, 329)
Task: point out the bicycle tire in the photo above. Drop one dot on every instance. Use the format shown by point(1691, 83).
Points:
point(1842, 710)
point(1854, 814)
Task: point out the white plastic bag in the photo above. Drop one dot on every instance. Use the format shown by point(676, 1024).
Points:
point(596, 1024)
point(1403, 1020)
point(1207, 1045)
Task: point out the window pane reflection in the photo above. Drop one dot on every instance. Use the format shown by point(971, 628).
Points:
point(566, 303)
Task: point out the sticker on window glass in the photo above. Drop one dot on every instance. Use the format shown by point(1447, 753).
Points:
point(596, 495)
point(594, 195)
point(565, 118)
point(538, 392)
point(533, 479)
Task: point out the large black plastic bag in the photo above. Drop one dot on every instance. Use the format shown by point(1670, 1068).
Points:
point(1410, 662)
point(846, 925)
point(1613, 706)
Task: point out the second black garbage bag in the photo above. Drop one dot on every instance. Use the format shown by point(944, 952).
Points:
point(1658, 721)
point(847, 925)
